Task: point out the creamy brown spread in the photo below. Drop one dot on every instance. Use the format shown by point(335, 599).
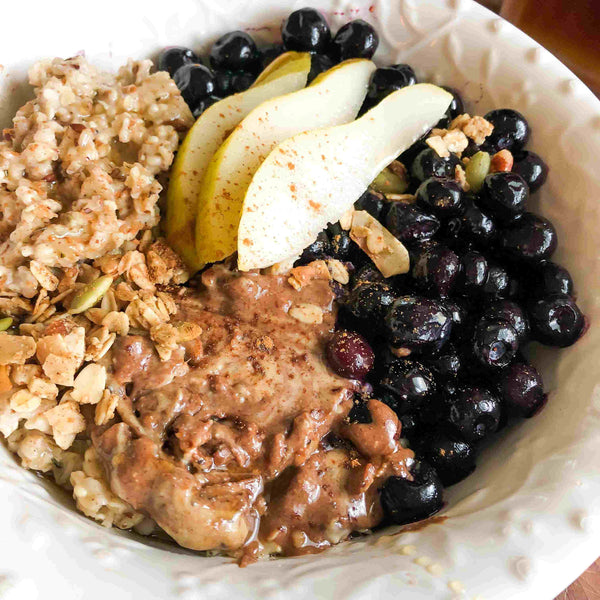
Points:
point(241, 439)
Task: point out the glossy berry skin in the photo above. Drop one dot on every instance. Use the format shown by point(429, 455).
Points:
point(171, 59)
point(436, 269)
point(428, 164)
point(452, 457)
point(511, 130)
point(369, 273)
point(498, 282)
point(241, 81)
point(406, 501)
point(349, 355)
point(471, 227)
point(531, 168)
point(459, 316)
point(474, 272)
point(549, 279)
point(495, 343)
point(443, 197)
point(446, 365)
point(340, 244)
point(195, 82)
point(306, 30)
point(235, 51)
point(356, 39)
point(269, 54)
point(204, 104)
point(359, 413)
point(411, 224)
point(319, 63)
point(418, 324)
point(406, 385)
point(522, 390)
point(373, 203)
point(505, 310)
point(474, 412)
point(386, 80)
point(410, 425)
point(504, 196)
point(555, 320)
point(223, 85)
point(319, 249)
point(530, 239)
point(370, 301)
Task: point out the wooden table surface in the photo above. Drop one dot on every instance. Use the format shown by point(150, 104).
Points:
point(587, 587)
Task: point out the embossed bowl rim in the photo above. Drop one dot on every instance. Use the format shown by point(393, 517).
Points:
point(526, 523)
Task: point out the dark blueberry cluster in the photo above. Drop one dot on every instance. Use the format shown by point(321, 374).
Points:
point(235, 60)
point(448, 337)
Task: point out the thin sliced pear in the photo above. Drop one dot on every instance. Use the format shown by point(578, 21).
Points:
point(285, 208)
point(334, 99)
point(285, 74)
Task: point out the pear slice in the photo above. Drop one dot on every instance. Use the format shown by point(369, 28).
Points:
point(315, 177)
point(285, 74)
point(333, 98)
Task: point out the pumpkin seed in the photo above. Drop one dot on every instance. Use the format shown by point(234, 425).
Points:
point(391, 181)
point(477, 169)
point(90, 294)
point(5, 323)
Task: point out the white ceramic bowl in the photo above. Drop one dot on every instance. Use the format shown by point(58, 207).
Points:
point(527, 522)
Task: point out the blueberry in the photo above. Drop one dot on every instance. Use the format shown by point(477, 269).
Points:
point(369, 273)
point(459, 316)
point(406, 501)
point(522, 390)
point(429, 164)
point(356, 39)
point(451, 456)
point(443, 197)
point(319, 249)
point(373, 203)
point(504, 195)
point(555, 320)
point(406, 385)
point(306, 30)
point(350, 355)
point(319, 63)
point(370, 301)
point(531, 239)
point(340, 244)
point(223, 85)
point(474, 225)
point(410, 425)
point(474, 272)
point(386, 80)
point(505, 310)
point(495, 343)
point(445, 365)
point(436, 269)
point(359, 413)
point(531, 168)
point(410, 224)
point(549, 278)
point(498, 282)
point(457, 106)
point(170, 59)
point(269, 54)
point(204, 104)
point(236, 51)
point(417, 324)
point(241, 81)
point(474, 412)
point(511, 130)
point(195, 82)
